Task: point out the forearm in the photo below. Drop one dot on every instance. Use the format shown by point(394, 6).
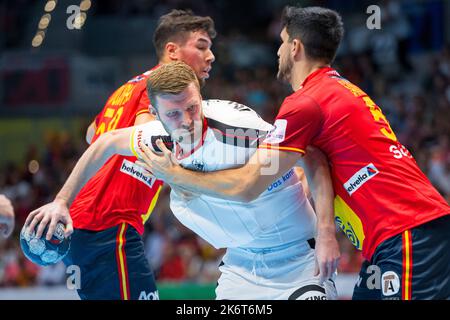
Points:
point(89, 163)
point(226, 184)
point(243, 184)
point(321, 187)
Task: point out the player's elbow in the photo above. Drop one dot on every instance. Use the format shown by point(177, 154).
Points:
point(105, 145)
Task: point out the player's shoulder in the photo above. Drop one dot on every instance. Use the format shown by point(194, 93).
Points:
point(140, 80)
point(300, 101)
point(233, 114)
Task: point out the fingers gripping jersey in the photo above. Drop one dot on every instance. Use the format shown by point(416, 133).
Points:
point(280, 215)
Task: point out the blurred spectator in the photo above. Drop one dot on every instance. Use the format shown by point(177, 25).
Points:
point(52, 275)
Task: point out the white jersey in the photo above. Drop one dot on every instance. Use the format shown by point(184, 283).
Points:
point(280, 215)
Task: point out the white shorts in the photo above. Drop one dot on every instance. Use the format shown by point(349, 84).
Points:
point(283, 273)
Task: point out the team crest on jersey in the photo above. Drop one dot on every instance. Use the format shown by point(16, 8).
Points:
point(278, 132)
point(360, 177)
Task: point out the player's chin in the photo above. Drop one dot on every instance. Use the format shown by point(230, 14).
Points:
point(205, 76)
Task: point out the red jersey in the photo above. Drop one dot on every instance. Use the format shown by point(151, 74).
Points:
point(379, 189)
point(119, 191)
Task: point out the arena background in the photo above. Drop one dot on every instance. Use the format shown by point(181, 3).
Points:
point(54, 80)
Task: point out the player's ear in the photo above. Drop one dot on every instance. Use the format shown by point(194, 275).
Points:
point(172, 50)
point(297, 50)
point(153, 112)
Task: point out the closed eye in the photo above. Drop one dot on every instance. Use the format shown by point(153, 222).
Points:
point(192, 108)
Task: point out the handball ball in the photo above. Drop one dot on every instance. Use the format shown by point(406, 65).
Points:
point(41, 251)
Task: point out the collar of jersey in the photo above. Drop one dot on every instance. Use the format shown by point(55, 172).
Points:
point(316, 74)
point(200, 143)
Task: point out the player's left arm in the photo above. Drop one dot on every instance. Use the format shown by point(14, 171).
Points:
point(107, 145)
point(316, 168)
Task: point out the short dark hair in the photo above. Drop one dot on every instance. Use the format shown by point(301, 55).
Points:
point(175, 25)
point(319, 29)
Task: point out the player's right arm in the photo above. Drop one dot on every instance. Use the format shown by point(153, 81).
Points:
point(107, 145)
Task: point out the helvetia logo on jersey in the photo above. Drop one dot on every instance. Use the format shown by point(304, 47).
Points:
point(278, 133)
point(360, 177)
point(137, 172)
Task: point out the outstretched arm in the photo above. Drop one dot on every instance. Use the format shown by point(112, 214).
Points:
point(108, 144)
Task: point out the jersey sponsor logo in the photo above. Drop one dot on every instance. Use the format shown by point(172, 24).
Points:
point(278, 132)
point(137, 172)
point(239, 107)
point(139, 140)
point(360, 177)
point(309, 292)
point(149, 296)
point(282, 180)
point(391, 283)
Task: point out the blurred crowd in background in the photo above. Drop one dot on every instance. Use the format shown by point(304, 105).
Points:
point(404, 67)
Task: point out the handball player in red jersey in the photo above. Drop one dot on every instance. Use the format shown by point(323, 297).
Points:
point(110, 211)
point(383, 202)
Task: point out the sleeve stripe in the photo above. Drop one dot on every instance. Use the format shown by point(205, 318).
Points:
point(269, 146)
point(132, 143)
point(142, 111)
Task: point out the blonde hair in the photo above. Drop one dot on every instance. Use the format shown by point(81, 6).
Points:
point(170, 78)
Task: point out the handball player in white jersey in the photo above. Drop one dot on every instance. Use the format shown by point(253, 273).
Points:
point(270, 241)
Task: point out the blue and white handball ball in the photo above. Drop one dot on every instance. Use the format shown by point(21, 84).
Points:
point(43, 252)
